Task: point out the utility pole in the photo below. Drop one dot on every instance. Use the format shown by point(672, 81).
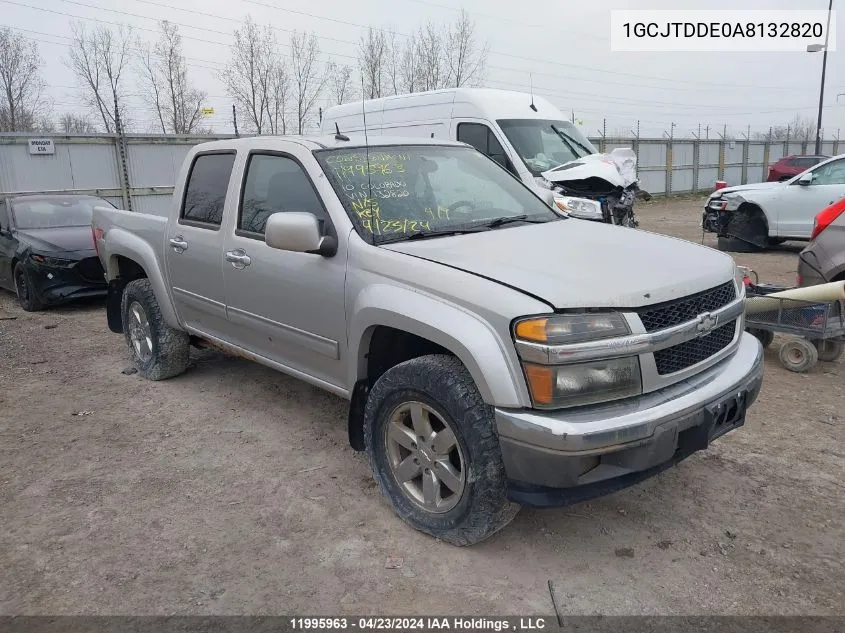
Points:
point(707, 132)
point(122, 152)
point(821, 88)
point(235, 119)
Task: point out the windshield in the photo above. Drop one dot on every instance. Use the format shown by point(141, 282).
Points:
point(427, 188)
point(52, 213)
point(544, 144)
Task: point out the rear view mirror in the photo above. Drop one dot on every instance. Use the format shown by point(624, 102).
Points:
point(806, 179)
point(299, 233)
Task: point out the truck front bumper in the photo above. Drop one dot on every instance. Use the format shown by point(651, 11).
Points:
point(563, 457)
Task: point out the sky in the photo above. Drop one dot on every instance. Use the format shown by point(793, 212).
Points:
point(563, 45)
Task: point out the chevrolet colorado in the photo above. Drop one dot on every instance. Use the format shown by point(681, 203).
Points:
point(489, 361)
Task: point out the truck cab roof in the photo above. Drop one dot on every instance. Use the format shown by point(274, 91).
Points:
point(318, 142)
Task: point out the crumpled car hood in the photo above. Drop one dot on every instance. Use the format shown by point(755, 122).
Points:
point(619, 168)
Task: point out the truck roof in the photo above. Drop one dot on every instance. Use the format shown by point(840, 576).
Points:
point(322, 142)
point(488, 103)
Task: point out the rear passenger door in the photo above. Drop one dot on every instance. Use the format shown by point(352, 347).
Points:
point(194, 244)
point(285, 306)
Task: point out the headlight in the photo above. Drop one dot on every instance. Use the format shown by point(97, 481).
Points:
point(571, 328)
point(555, 386)
point(579, 207)
point(52, 261)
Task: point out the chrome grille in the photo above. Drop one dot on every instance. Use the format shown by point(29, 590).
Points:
point(672, 313)
point(687, 354)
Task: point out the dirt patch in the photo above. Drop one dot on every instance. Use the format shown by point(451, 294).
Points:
point(232, 490)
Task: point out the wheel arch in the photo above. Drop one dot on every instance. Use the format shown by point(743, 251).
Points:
point(127, 254)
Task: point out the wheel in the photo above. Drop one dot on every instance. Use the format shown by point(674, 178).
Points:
point(735, 245)
point(829, 349)
point(158, 351)
point(798, 355)
point(435, 455)
point(26, 290)
point(764, 336)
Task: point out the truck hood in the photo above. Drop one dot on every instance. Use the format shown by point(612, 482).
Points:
point(619, 168)
point(580, 264)
point(750, 187)
point(64, 239)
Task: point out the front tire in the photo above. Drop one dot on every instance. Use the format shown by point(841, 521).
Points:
point(25, 290)
point(435, 455)
point(158, 351)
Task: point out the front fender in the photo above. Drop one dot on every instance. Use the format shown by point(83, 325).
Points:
point(495, 371)
point(121, 243)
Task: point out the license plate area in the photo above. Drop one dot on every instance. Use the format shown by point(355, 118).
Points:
point(725, 415)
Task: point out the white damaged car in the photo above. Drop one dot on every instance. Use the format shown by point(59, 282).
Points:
point(755, 216)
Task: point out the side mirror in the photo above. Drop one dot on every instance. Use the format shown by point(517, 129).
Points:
point(806, 179)
point(299, 233)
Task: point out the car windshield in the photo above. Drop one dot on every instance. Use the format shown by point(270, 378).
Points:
point(417, 190)
point(52, 213)
point(545, 144)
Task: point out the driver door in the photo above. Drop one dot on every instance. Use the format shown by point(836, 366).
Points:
point(285, 306)
point(798, 209)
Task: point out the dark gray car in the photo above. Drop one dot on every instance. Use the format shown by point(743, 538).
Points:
point(823, 259)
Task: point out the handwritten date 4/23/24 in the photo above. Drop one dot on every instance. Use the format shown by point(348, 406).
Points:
point(450, 623)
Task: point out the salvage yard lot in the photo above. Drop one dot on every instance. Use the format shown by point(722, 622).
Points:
point(232, 490)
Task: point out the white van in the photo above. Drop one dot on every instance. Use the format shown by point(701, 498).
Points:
point(525, 134)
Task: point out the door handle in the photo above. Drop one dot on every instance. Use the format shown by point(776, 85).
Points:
point(178, 243)
point(238, 258)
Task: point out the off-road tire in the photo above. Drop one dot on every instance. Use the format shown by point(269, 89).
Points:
point(764, 336)
point(443, 383)
point(829, 349)
point(25, 289)
point(170, 347)
point(798, 355)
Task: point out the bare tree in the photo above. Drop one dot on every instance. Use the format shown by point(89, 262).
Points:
point(178, 105)
point(340, 83)
point(258, 80)
point(277, 91)
point(99, 60)
point(71, 123)
point(22, 104)
point(429, 52)
point(308, 81)
point(372, 59)
point(408, 70)
point(798, 129)
point(465, 58)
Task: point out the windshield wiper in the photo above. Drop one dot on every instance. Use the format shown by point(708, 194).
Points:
point(569, 140)
point(513, 218)
point(421, 235)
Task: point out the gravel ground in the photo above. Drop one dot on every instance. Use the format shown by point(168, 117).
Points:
point(232, 490)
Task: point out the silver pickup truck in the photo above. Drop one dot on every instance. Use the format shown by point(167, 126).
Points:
point(494, 353)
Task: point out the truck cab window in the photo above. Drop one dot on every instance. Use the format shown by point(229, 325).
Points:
point(276, 184)
point(482, 138)
point(205, 193)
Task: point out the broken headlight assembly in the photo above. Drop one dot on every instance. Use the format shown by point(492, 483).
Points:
point(575, 384)
point(47, 260)
point(579, 207)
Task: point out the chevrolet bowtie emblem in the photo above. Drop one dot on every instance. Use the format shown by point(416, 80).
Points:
point(706, 323)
